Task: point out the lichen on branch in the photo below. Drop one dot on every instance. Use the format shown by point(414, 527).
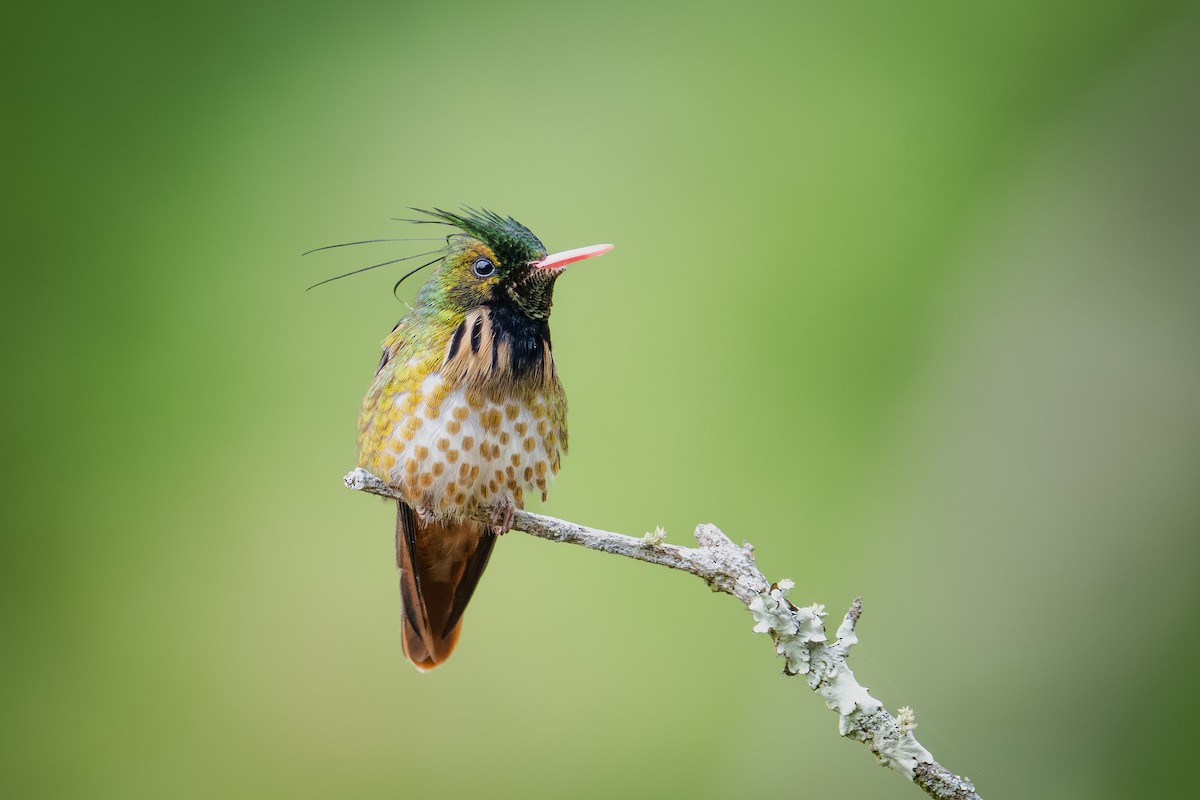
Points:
point(798, 633)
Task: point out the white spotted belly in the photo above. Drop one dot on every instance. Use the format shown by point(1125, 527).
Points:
point(457, 451)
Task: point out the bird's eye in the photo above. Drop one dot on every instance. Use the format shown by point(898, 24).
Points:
point(483, 268)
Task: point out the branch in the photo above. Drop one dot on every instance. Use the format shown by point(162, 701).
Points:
point(799, 633)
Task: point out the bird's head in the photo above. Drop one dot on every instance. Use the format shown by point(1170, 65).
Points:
point(496, 261)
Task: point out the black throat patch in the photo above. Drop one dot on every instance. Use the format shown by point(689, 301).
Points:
point(528, 340)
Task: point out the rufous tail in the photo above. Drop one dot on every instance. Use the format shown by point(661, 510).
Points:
point(440, 565)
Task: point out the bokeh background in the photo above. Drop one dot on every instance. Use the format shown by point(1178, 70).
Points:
point(906, 294)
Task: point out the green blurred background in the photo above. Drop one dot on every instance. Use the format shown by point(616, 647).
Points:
point(906, 294)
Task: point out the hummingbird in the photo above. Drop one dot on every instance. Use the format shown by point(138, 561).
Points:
point(465, 415)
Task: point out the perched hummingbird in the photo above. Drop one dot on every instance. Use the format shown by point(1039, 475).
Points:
point(465, 415)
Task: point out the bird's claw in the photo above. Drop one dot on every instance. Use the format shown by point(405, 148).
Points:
point(502, 517)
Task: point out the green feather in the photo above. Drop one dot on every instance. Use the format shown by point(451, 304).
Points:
point(512, 242)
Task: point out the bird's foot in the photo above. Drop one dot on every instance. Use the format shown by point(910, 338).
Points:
point(502, 517)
